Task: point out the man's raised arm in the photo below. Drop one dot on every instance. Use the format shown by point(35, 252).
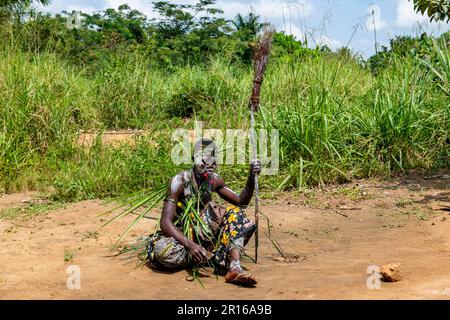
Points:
point(243, 199)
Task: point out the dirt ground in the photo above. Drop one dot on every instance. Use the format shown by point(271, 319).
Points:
point(113, 138)
point(334, 234)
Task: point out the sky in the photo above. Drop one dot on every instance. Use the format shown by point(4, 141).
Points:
point(336, 23)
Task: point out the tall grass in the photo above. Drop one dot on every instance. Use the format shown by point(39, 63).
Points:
point(343, 123)
point(337, 121)
point(42, 103)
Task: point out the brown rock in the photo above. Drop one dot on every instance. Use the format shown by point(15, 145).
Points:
point(390, 272)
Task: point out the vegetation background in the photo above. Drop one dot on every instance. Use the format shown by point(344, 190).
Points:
point(340, 117)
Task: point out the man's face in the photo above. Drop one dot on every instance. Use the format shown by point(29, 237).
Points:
point(205, 162)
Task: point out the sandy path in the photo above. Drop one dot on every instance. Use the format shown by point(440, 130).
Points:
point(386, 222)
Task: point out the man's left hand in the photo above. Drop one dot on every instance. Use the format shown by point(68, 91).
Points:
point(255, 167)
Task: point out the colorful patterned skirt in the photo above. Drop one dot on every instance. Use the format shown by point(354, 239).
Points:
point(234, 232)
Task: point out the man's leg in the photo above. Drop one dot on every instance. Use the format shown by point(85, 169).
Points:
point(235, 272)
point(169, 253)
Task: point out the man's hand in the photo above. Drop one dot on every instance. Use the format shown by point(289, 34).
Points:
point(255, 167)
point(198, 253)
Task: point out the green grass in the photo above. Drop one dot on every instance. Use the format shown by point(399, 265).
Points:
point(418, 213)
point(403, 203)
point(90, 235)
point(68, 255)
point(337, 121)
point(353, 193)
point(28, 211)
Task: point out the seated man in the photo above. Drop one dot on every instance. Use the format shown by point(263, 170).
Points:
point(230, 228)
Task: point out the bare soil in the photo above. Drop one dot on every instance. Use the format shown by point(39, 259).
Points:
point(332, 236)
point(112, 138)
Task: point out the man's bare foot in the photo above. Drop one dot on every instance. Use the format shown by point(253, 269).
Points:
point(241, 278)
point(238, 276)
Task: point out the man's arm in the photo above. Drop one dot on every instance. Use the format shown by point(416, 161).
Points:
point(243, 199)
point(168, 215)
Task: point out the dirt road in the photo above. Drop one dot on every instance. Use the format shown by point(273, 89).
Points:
point(335, 235)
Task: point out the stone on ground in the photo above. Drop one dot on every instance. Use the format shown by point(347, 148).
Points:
point(390, 272)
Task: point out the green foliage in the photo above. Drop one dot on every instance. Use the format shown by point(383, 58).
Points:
point(246, 29)
point(327, 135)
point(185, 32)
point(68, 255)
point(29, 210)
point(437, 10)
point(15, 8)
point(337, 120)
point(406, 46)
point(287, 47)
point(440, 67)
point(102, 171)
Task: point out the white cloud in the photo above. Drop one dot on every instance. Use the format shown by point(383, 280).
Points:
point(330, 43)
point(84, 9)
point(406, 16)
point(268, 9)
point(374, 20)
point(295, 31)
point(57, 6)
point(144, 6)
point(285, 15)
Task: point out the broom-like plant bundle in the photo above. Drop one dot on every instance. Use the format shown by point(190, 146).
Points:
point(131, 204)
point(261, 53)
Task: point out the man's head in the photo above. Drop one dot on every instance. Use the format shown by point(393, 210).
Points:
point(204, 157)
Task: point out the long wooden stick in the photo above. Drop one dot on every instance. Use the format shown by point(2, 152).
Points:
point(260, 57)
point(254, 157)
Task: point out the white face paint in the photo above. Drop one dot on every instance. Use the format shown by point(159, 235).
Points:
point(235, 265)
point(205, 164)
point(177, 181)
point(205, 158)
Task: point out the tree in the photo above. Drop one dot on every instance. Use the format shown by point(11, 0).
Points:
point(246, 29)
point(116, 26)
point(406, 46)
point(249, 26)
point(181, 19)
point(9, 8)
point(188, 32)
point(437, 10)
